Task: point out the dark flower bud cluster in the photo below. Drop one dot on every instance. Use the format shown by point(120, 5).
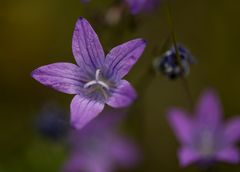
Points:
point(51, 123)
point(172, 65)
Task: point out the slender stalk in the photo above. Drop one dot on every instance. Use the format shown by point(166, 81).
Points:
point(178, 58)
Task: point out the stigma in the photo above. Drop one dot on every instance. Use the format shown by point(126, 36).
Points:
point(97, 81)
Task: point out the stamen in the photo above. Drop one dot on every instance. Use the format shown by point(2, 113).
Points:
point(90, 83)
point(103, 84)
point(97, 81)
point(97, 74)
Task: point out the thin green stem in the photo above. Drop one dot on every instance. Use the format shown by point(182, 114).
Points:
point(173, 35)
point(178, 58)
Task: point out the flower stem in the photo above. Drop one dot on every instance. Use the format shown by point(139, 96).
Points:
point(178, 58)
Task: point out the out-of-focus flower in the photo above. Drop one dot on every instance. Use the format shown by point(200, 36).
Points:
point(51, 122)
point(171, 66)
point(98, 148)
point(85, 1)
point(95, 80)
point(204, 138)
point(137, 6)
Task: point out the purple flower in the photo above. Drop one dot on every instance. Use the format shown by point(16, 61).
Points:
point(205, 138)
point(98, 148)
point(137, 6)
point(95, 80)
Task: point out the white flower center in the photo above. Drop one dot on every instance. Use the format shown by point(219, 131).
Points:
point(207, 143)
point(97, 81)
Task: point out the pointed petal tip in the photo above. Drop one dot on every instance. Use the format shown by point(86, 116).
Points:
point(229, 155)
point(187, 156)
point(35, 73)
point(81, 19)
point(32, 74)
point(210, 92)
point(209, 108)
point(174, 112)
point(141, 40)
point(144, 41)
point(61, 76)
point(75, 125)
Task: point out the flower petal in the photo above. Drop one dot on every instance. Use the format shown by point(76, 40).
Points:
point(124, 152)
point(230, 155)
point(82, 161)
point(187, 156)
point(121, 58)
point(209, 110)
point(232, 130)
point(181, 124)
point(75, 162)
point(86, 46)
point(123, 95)
point(64, 77)
point(83, 110)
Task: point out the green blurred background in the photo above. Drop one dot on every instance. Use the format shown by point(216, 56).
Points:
point(38, 32)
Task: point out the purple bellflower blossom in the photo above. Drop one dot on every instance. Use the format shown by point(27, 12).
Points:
point(205, 138)
point(137, 6)
point(98, 148)
point(96, 80)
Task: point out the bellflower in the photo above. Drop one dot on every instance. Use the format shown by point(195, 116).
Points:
point(137, 6)
point(95, 80)
point(205, 138)
point(99, 148)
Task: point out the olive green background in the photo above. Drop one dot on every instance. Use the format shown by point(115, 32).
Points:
point(38, 32)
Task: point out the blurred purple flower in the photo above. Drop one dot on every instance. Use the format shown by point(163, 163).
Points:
point(137, 6)
point(84, 1)
point(204, 138)
point(98, 148)
point(95, 80)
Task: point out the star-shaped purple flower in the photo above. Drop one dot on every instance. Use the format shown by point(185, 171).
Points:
point(99, 148)
point(205, 138)
point(95, 80)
